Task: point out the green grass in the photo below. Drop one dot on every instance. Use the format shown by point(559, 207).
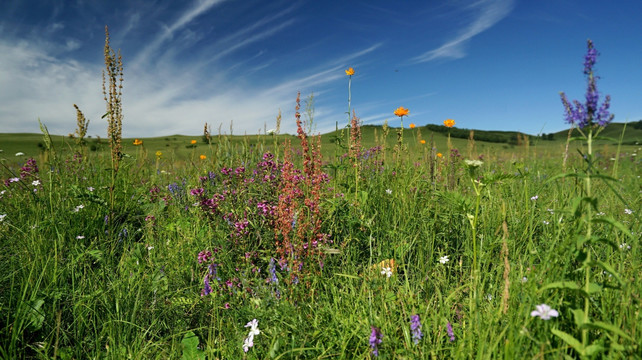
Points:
point(127, 284)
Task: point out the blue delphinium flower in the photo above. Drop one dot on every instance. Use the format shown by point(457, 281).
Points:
point(415, 328)
point(588, 113)
point(375, 339)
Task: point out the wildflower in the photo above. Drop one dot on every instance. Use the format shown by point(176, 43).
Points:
point(388, 191)
point(449, 123)
point(625, 246)
point(204, 256)
point(415, 328)
point(79, 207)
point(524, 279)
point(20, 153)
point(350, 72)
point(14, 179)
point(254, 330)
point(207, 289)
point(545, 222)
point(444, 259)
point(90, 189)
point(193, 142)
point(2, 217)
point(159, 154)
point(588, 113)
point(533, 198)
point(386, 271)
point(202, 157)
point(412, 126)
point(439, 155)
point(600, 214)
point(422, 141)
point(401, 111)
point(628, 211)
point(80, 237)
point(375, 339)
point(544, 312)
point(449, 330)
point(473, 163)
point(138, 142)
point(35, 182)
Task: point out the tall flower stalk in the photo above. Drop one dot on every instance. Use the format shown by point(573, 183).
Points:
point(590, 119)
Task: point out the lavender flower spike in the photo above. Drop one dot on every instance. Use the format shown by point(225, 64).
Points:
point(375, 339)
point(590, 112)
point(415, 328)
point(451, 334)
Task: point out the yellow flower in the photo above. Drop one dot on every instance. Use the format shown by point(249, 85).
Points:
point(158, 154)
point(439, 155)
point(422, 141)
point(203, 157)
point(193, 142)
point(138, 142)
point(449, 123)
point(350, 72)
point(401, 111)
point(412, 126)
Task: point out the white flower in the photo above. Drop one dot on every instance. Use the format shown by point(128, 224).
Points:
point(533, 198)
point(77, 208)
point(545, 222)
point(386, 271)
point(474, 163)
point(388, 191)
point(2, 217)
point(35, 182)
point(20, 153)
point(444, 259)
point(600, 214)
point(625, 246)
point(524, 279)
point(544, 312)
point(149, 248)
point(90, 189)
point(14, 179)
point(271, 132)
point(628, 211)
point(254, 330)
point(80, 237)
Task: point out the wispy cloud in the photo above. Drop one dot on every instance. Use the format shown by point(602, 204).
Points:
point(486, 13)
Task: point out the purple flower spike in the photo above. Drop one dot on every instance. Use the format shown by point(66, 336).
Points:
point(415, 328)
point(451, 334)
point(375, 339)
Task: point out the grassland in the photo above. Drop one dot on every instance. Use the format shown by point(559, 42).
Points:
point(327, 248)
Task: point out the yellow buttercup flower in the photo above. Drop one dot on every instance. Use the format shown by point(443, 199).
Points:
point(401, 111)
point(138, 142)
point(158, 154)
point(350, 72)
point(449, 123)
point(193, 142)
point(203, 157)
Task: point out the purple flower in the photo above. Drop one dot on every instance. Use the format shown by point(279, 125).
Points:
point(272, 270)
point(375, 339)
point(451, 334)
point(589, 113)
point(206, 286)
point(415, 328)
point(204, 256)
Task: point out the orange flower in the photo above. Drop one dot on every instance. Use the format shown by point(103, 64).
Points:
point(193, 142)
point(422, 141)
point(138, 142)
point(203, 157)
point(401, 111)
point(439, 155)
point(412, 126)
point(350, 72)
point(449, 123)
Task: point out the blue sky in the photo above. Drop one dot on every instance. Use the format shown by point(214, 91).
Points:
point(488, 64)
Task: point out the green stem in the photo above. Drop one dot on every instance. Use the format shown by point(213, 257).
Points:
point(587, 270)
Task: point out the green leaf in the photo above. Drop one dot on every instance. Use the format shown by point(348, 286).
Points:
point(608, 327)
point(569, 285)
point(594, 349)
point(35, 317)
point(578, 316)
point(594, 288)
point(190, 347)
point(616, 224)
point(569, 339)
point(608, 268)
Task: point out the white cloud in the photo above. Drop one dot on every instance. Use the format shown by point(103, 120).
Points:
point(486, 14)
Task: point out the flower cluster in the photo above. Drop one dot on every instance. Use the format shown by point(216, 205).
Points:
point(376, 338)
point(254, 330)
point(415, 329)
point(588, 113)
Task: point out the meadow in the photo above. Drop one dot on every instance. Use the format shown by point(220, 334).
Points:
point(389, 242)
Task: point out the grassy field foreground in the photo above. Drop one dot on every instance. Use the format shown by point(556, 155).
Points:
point(378, 251)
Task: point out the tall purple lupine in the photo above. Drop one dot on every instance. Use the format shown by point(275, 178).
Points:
point(376, 338)
point(415, 328)
point(588, 113)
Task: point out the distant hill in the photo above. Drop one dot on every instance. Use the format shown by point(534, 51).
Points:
point(632, 133)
